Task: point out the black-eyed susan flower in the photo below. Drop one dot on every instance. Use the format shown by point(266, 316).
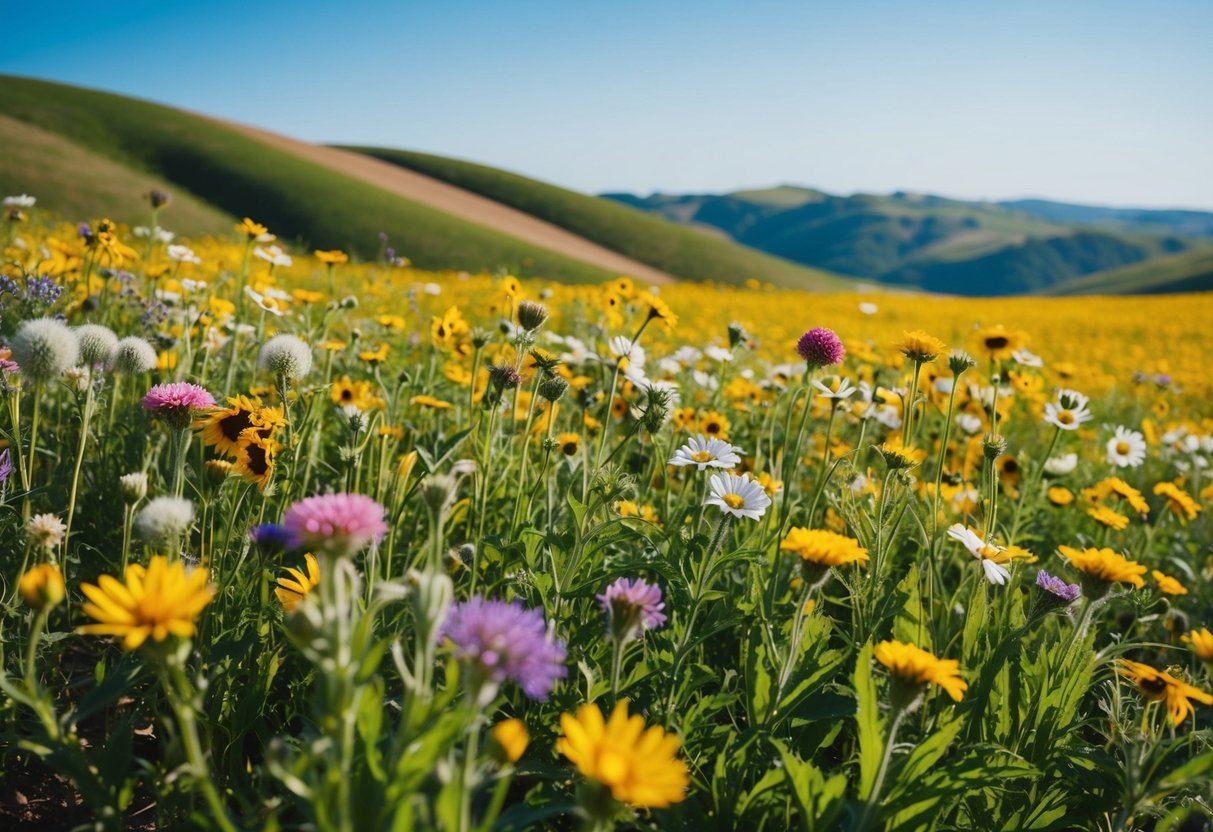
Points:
point(1157, 685)
point(375, 356)
point(658, 309)
point(155, 602)
point(1101, 568)
point(569, 443)
point(713, 424)
point(296, 585)
point(640, 767)
point(916, 668)
point(252, 230)
point(254, 457)
point(221, 427)
point(999, 342)
point(821, 548)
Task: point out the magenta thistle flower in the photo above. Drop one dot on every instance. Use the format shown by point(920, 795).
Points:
point(501, 642)
point(1051, 584)
point(337, 524)
point(632, 606)
point(177, 402)
point(821, 347)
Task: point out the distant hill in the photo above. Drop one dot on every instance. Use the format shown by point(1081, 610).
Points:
point(86, 154)
point(1149, 220)
point(934, 243)
point(1189, 271)
point(664, 245)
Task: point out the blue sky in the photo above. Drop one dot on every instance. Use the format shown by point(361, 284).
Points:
point(1108, 101)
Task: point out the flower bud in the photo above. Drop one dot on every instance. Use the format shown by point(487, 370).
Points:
point(508, 741)
point(133, 487)
point(553, 389)
point(532, 315)
point(42, 587)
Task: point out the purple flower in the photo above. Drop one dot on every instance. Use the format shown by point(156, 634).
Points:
point(270, 538)
point(6, 465)
point(177, 402)
point(632, 606)
point(339, 524)
point(1051, 584)
point(821, 347)
point(501, 642)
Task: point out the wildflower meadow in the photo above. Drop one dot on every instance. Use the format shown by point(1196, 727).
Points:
point(290, 541)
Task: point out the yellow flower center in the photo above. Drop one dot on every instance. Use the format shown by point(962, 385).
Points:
point(733, 500)
point(1122, 448)
point(1066, 417)
point(702, 456)
point(989, 552)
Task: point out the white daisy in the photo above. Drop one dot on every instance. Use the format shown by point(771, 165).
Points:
point(1059, 466)
point(868, 308)
point(1127, 449)
point(707, 452)
point(1069, 412)
point(22, 201)
point(1027, 359)
point(978, 548)
point(835, 387)
point(969, 423)
point(183, 254)
point(687, 356)
point(737, 496)
point(718, 354)
point(273, 255)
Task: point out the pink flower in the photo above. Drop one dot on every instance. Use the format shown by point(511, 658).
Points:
point(339, 524)
point(821, 347)
point(176, 403)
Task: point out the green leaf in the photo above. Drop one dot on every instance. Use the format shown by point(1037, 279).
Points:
point(910, 624)
point(870, 725)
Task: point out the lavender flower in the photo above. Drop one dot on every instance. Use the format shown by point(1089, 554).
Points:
point(632, 606)
point(499, 642)
point(6, 465)
point(1069, 593)
point(821, 347)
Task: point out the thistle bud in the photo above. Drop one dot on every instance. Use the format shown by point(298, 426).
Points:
point(993, 445)
point(532, 315)
point(737, 335)
point(553, 389)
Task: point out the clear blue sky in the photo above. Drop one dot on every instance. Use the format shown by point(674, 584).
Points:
point(1102, 101)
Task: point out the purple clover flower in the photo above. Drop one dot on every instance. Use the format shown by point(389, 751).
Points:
point(821, 347)
point(632, 606)
point(1055, 586)
point(504, 642)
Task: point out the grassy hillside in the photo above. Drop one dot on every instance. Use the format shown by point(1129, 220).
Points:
point(1189, 271)
point(1146, 220)
point(913, 240)
point(664, 245)
point(73, 182)
point(201, 161)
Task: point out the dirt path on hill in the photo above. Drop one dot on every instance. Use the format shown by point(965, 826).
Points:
point(456, 201)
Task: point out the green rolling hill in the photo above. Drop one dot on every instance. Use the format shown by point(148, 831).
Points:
point(1189, 271)
point(665, 245)
point(87, 154)
point(934, 243)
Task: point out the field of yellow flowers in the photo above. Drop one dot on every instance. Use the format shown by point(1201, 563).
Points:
point(293, 542)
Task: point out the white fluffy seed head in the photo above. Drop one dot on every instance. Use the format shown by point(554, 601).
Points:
point(44, 348)
point(133, 487)
point(133, 356)
point(97, 344)
point(286, 356)
point(164, 520)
